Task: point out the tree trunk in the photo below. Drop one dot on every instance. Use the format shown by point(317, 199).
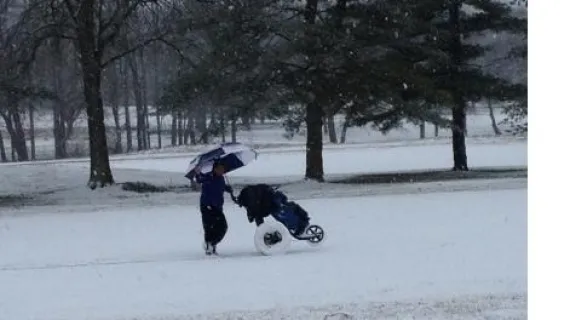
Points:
point(246, 121)
point(139, 103)
point(338, 17)
point(314, 153)
point(332, 129)
point(345, 127)
point(127, 101)
point(157, 83)
point(223, 127)
point(16, 132)
point(202, 126)
point(458, 138)
point(128, 127)
point(100, 170)
point(212, 126)
point(118, 133)
point(423, 130)
point(114, 98)
point(314, 114)
point(62, 129)
point(436, 131)
point(65, 112)
point(147, 144)
point(59, 132)
point(20, 141)
point(10, 128)
point(492, 115)
point(158, 128)
point(3, 157)
point(192, 127)
point(343, 133)
point(144, 94)
point(233, 129)
point(459, 123)
point(32, 132)
point(186, 128)
point(173, 130)
point(13, 151)
point(180, 127)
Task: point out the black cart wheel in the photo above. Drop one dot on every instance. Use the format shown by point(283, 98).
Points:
point(271, 238)
point(315, 234)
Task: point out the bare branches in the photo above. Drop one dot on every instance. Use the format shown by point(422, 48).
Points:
point(122, 13)
point(72, 9)
point(128, 51)
point(178, 51)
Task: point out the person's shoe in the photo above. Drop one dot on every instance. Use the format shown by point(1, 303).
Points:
point(209, 249)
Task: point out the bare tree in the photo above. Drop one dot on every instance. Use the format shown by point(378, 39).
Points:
point(60, 70)
point(94, 27)
point(137, 83)
point(494, 125)
point(12, 89)
point(124, 72)
point(3, 157)
point(112, 97)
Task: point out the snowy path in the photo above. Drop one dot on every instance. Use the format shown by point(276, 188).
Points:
point(147, 263)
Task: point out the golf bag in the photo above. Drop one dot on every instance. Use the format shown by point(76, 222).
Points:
point(261, 201)
point(293, 216)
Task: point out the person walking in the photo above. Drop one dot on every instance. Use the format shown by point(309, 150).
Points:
point(211, 206)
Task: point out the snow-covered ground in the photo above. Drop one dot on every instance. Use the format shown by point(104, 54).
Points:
point(271, 134)
point(64, 182)
point(441, 255)
point(437, 250)
point(362, 159)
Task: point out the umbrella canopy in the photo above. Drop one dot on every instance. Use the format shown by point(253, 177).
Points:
point(232, 155)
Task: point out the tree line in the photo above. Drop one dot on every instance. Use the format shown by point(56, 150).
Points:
point(211, 65)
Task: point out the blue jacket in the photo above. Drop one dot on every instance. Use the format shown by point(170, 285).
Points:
point(213, 188)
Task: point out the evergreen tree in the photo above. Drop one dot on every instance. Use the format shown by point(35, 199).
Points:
point(463, 20)
point(424, 56)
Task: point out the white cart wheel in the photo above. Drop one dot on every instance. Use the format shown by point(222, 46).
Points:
point(272, 238)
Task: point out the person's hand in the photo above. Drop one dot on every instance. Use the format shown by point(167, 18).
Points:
point(235, 200)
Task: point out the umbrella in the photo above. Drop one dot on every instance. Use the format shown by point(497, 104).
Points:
point(232, 155)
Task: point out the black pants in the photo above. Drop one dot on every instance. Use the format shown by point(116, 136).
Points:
point(214, 223)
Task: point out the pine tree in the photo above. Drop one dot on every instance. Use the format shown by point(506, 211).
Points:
point(459, 22)
point(422, 55)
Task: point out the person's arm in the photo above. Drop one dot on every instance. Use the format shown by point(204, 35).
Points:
point(201, 178)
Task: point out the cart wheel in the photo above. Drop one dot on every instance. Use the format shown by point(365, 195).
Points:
point(271, 238)
point(316, 235)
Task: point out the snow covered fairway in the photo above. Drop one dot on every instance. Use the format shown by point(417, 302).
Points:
point(459, 255)
point(355, 159)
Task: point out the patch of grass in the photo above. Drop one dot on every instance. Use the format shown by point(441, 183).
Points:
point(143, 187)
point(433, 175)
point(14, 200)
